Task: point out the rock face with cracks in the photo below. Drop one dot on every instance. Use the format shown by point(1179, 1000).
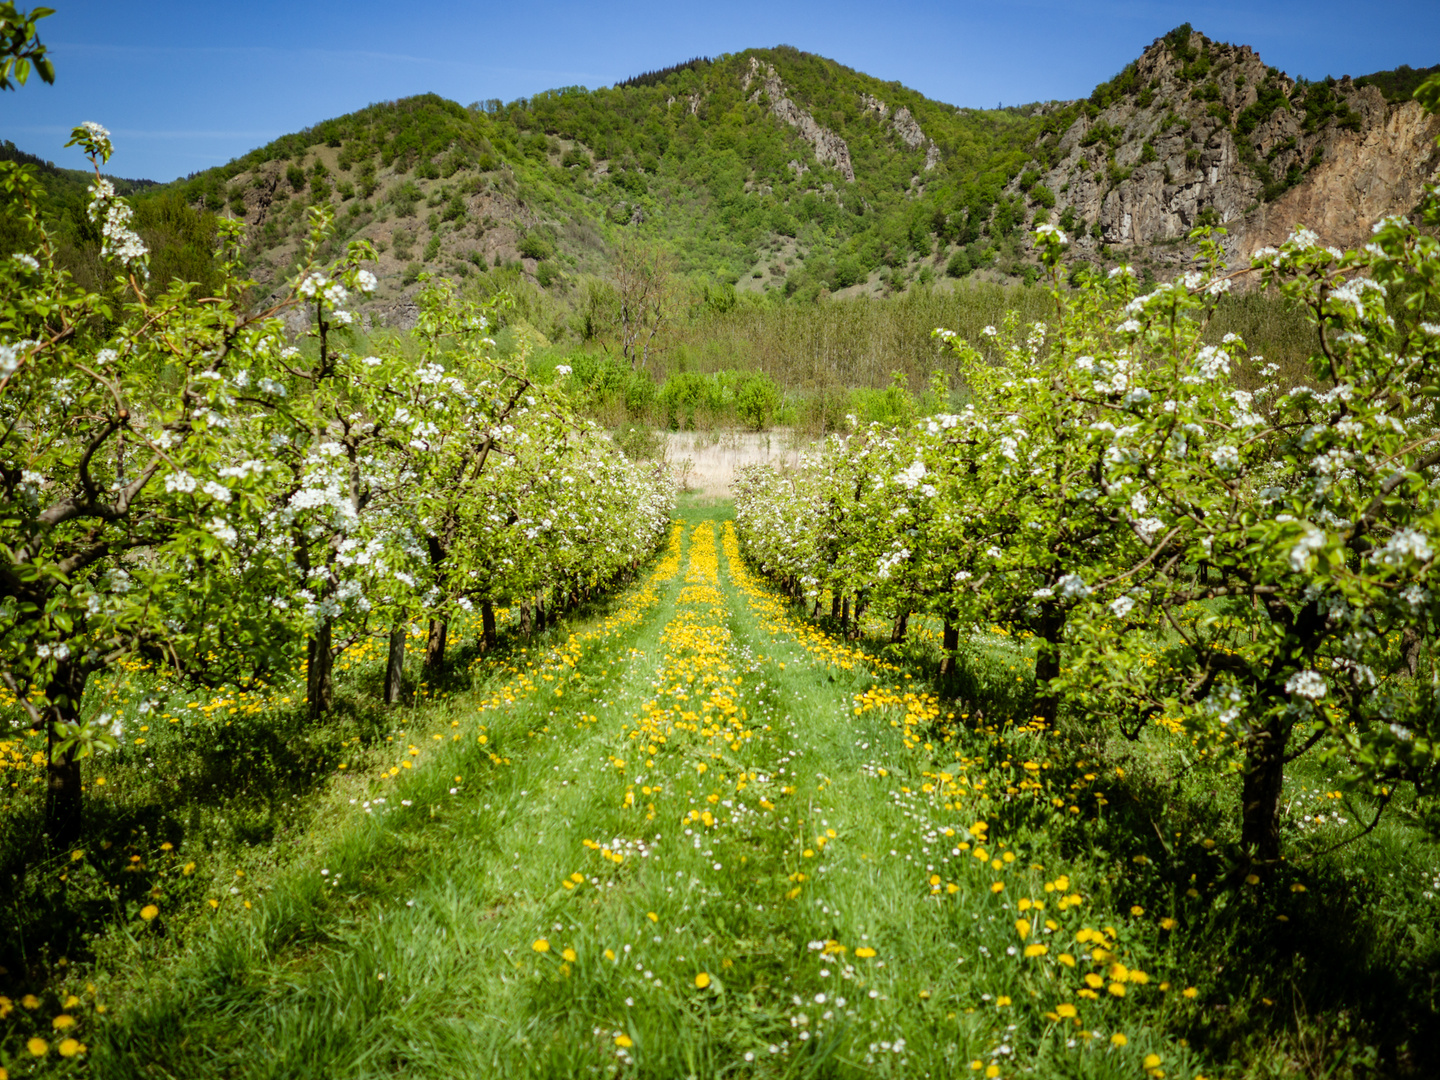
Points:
point(1206, 133)
point(830, 148)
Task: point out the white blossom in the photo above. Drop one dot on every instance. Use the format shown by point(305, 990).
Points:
point(1306, 684)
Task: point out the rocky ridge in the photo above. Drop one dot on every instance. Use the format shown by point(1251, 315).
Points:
point(1201, 132)
point(830, 149)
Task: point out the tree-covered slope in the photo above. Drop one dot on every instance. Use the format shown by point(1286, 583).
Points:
point(782, 172)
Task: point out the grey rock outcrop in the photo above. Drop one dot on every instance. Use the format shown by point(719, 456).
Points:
point(830, 148)
point(1181, 149)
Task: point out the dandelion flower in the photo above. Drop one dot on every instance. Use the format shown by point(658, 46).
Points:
point(569, 955)
point(1036, 950)
point(541, 945)
point(1189, 992)
point(38, 1047)
point(70, 1047)
point(702, 981)
point(1118, 1039)
point(864, 952)
point(63, 1021)
point(149, 911)
point(1066, 1010)
point(624, 1041)
point(1152, 1061)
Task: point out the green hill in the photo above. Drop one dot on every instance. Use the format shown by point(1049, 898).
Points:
point(728, 163)
point(773, 171)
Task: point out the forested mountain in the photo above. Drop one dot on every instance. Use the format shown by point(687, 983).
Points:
point(784, 173)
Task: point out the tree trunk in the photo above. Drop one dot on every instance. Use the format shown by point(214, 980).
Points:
point(949, 643)
point(834, 603)
point(1047, 661)
point(64, 801)
point(1260, 794)
point(527, 623)
point(395, 664)
point(488, 636)
point(901, 627)
point(319, 676)
point(435, 646)
point(1410, 651)
point(845, 614)
point(816, 613)
point(861, 603)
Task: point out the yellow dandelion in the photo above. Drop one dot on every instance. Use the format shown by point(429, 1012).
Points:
point(864, 952)
point(68, 1048)
point(1189, 992)
point(1118, 1040)
point(149, 911)
point(702, 981)
point(1022, 927)
point(1036, 950)
point(38, 1047)
point(63, 1021)
point(624, 1041)
point(541, 945)
point(1152, 1061)
point(1066, 1010)
point(569, 955)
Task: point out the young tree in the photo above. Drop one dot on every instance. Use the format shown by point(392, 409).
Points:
point(131, 493)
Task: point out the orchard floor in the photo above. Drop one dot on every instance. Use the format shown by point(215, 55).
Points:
point(700, 836)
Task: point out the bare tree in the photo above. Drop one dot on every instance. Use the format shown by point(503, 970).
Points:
point(644, 281)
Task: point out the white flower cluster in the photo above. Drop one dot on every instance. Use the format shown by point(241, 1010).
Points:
point(911, 477)
point(1306, 684)
point(1405, 545)
point(114, 214)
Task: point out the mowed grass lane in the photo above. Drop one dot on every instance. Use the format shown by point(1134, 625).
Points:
point(714, 842)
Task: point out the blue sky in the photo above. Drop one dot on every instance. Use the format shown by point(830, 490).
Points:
point(187, 85)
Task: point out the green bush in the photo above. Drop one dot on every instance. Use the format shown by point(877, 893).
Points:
point(432, 249)
point(639, 443)
point(535, 247)
point(756, 400)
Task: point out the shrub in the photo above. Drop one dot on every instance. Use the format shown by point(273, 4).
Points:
point(756, 400)
point(535, 247)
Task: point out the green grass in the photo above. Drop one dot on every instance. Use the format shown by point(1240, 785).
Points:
point(398, 937)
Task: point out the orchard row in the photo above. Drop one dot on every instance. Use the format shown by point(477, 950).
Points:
point(1253, 566)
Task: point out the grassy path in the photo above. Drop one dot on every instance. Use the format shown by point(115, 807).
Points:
point(699, 838)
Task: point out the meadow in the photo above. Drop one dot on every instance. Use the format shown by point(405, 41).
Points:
point(694, 832)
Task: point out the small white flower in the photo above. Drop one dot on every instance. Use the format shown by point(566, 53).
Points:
point(1306, 684)
point(562, 370)
point(365, 281)
point(1226, 458)
point(1121, 606)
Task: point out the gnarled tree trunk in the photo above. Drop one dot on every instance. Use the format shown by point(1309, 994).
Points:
point(319, 672)
point(488, 637)
point(1048, 636)
point(64, 801)
point(435, 646)
point(395, 664)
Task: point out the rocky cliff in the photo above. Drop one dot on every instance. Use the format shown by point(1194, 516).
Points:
point(1198, 132)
